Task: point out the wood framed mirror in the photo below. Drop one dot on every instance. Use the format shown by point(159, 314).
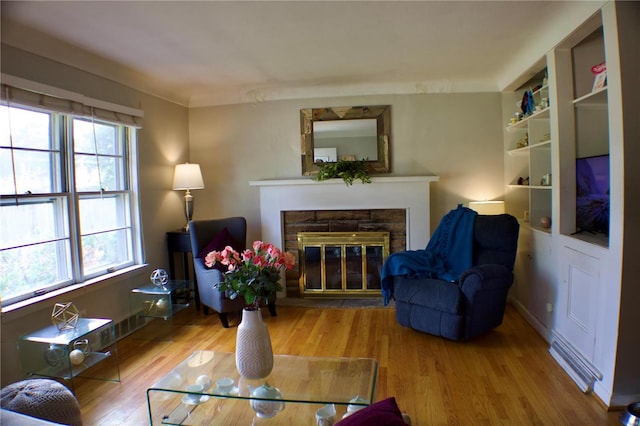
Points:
point(346, 133)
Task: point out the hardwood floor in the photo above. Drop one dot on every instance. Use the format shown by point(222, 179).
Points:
point(506, 377)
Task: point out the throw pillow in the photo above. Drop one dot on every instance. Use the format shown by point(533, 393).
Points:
point(381, 413)
point(218, 243)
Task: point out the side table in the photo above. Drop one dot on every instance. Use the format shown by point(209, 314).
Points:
point(179, 241)
point(164, 302)
point(46, 352)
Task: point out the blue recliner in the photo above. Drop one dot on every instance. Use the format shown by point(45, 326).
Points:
point(473, 304)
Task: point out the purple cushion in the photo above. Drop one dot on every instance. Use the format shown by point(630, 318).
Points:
point(219, 242)
point(381, 413)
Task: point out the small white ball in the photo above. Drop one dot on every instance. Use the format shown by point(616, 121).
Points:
point(162, 303)
point(76, 357)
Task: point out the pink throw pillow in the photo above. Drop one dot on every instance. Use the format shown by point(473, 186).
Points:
point(381, 413)
point(218, 243)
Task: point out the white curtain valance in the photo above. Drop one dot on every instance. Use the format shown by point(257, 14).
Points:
point(26, 93)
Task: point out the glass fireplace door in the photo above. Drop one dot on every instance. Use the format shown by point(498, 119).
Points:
point(337, 264)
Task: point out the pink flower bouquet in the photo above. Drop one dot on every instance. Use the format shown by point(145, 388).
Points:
point(253, 274)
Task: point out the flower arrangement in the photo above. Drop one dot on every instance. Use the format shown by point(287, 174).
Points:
point(253, 274)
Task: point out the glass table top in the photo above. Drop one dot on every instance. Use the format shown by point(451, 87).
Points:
point(300, 381)
point(52, 335)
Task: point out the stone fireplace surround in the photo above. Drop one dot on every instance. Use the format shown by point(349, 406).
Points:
point(408, 193)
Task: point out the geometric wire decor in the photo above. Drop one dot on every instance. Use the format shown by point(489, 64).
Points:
point(65, 316)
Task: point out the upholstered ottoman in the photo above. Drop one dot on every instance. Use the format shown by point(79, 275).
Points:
point(44, 399)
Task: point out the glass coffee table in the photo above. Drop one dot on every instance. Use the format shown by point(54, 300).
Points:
point(302, 385)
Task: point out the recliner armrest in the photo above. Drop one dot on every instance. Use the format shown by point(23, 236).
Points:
point(488, 276)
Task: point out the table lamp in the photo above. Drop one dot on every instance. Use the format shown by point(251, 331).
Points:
point(188, 176)
point(487, 207)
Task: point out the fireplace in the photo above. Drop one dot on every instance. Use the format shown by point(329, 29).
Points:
point(341, 264)
point(341, 226)
point(399, 199)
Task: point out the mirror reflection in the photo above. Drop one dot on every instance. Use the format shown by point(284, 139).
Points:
point(348, 140)
point(346, 133)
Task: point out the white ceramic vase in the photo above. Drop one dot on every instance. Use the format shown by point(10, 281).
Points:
point(254, 356)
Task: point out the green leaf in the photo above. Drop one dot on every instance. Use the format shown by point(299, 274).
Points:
point(348, 171)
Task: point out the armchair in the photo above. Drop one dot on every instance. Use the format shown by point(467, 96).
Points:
point(215, 234)
point(475, 302)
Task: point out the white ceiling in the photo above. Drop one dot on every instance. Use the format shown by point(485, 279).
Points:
point(214, 52)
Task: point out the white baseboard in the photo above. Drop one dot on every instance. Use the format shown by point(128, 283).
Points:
point(533, 321)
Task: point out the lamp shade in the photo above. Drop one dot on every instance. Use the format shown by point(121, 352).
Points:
point(188, 176)
point(487, 207)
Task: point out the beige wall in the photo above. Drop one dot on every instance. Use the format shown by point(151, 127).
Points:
point(162, 142)
point(455, 136)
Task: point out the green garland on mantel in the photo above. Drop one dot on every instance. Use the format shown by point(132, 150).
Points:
point(348, 171)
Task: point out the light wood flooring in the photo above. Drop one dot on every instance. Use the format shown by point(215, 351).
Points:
point(506, 377)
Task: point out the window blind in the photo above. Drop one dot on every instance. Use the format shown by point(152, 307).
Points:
point(16, 90)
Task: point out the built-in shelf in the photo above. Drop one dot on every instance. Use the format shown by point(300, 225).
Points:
point(515, 185)
point(522, 124)
point(525, 149)
point(597, 98)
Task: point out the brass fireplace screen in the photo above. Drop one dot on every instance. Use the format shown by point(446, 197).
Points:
point(341, 264)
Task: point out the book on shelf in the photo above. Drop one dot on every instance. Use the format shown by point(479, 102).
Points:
point(599, 76)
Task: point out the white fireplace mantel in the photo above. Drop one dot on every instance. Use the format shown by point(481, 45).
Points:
point(393, 192)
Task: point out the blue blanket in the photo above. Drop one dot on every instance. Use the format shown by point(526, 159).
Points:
point(448, 254)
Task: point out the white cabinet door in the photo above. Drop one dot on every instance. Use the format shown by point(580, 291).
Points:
point(577, 308)
point(534, 290)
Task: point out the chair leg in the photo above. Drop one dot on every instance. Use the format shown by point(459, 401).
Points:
point(224, 320)
point(272, 309)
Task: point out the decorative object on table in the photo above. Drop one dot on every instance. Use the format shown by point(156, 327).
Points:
point(265, 407)
point(254, 354)
point(348, 171)
point(54, 355)
point(204, 380)
point(188, 176)
point(254, 275)
point(159, 277)
point(162, 304)
point(80, 351)
point(194, 395)
point(599, 76)
point(225, 385)
point(76, 357)
point(65, 316)
point(326, 416)
point(355, 405)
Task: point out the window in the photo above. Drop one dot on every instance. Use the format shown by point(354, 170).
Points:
point(68, 210)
